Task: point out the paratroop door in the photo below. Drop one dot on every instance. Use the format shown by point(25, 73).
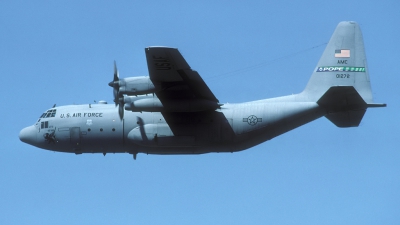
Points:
point(75, 136)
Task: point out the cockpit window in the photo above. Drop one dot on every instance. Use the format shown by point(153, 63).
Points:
point(49, 113)
point(44, 124)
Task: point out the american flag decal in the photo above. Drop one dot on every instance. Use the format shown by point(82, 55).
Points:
point(342, 53)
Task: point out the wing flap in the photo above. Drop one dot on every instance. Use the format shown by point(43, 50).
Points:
point(199, 88)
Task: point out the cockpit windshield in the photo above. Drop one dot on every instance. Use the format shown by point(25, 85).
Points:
point(49, 113)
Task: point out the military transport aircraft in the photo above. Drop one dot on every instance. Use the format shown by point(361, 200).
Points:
point(172, 111)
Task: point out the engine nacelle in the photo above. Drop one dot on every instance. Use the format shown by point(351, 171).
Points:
point(136, 86)
point(153, 104)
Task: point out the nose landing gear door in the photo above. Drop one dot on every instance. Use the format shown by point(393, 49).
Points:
point(75, 137)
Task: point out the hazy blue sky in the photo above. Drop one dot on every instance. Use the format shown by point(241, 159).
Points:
point(62, 52)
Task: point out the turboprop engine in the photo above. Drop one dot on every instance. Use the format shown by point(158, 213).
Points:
point(132, 94)
point(129, 86)
point(153, 104)
point(134, 85)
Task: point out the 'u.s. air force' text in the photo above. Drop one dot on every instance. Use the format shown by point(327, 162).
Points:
point(70, 115)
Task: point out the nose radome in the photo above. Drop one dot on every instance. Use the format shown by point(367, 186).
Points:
point(28, 135)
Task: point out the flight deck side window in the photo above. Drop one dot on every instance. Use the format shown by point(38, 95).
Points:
point(44, 124)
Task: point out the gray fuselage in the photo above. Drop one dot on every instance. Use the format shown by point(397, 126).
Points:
point(97, 128)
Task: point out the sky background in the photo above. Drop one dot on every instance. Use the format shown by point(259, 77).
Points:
point(63, 51)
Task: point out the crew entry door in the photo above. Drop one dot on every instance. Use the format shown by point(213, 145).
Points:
point(75, 137)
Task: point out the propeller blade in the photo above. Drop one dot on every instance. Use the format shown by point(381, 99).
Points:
point(116, 73)
point(116, 97)
point(141, 129)
point(115, 82)
point(121, 111)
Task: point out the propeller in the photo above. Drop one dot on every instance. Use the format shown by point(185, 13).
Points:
point(115, 84)
point(118, 97)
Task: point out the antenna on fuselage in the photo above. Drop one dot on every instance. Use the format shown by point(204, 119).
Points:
point(54, 106)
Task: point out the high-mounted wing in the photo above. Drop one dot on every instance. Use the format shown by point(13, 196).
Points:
point(177, 82)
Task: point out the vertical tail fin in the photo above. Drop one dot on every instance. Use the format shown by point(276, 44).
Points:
point(340, 83)
point(343, 63)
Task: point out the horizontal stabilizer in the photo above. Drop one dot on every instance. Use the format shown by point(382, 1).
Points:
point(341, 98)
point(376, 105)
point(344, 106)
point(347, 118)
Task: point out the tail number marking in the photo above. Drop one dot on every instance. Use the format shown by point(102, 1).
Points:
point(342, 75)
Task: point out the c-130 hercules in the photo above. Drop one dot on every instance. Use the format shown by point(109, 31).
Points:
point(182, 116)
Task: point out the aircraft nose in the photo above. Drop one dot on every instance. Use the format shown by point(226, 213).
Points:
point(28, 135)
